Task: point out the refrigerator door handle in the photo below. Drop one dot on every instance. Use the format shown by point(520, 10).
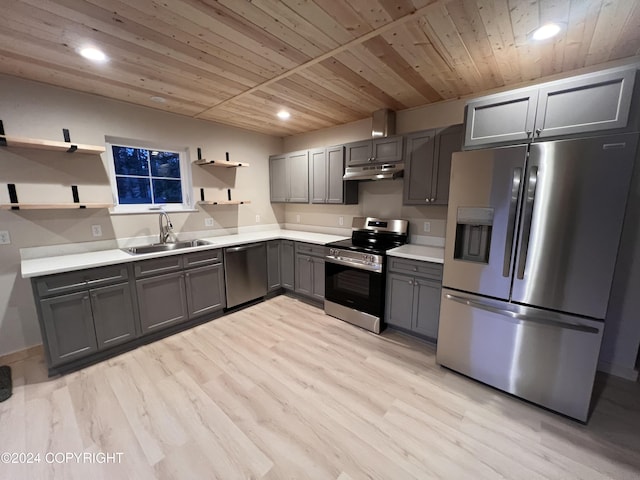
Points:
point(517, 317)
point(529, 198)
point(511, 223)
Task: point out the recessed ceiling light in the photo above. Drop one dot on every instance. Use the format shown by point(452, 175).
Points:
point(93, 54)
point(283, 115)
point(158, 99)
point(547, 30)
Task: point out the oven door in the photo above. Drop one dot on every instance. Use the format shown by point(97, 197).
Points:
point(355, 288)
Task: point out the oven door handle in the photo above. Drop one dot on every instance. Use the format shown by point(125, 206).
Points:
point(339, 261)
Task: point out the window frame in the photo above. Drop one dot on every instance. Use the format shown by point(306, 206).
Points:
point(185, 177)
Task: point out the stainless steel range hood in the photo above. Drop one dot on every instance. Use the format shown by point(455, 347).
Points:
point(383, 124)
point(385, 171)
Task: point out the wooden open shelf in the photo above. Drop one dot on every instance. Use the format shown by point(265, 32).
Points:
point(71, 147)
point(223, 202)
point(220, 163)
point(50, 206)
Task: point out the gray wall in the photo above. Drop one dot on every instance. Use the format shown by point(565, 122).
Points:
point(29, 109)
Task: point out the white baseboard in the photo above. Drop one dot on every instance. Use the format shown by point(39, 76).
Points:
point(619, 371)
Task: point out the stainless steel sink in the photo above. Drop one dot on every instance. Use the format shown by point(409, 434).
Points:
point(165, 247)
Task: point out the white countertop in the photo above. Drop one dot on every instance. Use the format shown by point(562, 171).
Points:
point(418, 252)
point(36, 267)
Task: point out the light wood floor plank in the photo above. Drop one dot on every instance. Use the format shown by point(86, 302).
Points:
point(281, 390)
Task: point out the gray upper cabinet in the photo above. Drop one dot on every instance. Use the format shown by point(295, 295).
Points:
point(501, 118)
point(278, 179)
point(358, 153)
point(327, 170)
point(574, 106)
point(586, 104)
point(379, 150)
point(298, 164)
point(428, 165)
point(419, 166)
point(289, 177)
point(318, 161)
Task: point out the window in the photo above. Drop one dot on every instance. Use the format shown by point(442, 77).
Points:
point(145, 178)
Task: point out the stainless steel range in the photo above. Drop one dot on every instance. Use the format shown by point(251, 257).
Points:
point(355, 271)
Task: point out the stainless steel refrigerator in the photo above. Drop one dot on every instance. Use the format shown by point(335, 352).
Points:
point(532, 238)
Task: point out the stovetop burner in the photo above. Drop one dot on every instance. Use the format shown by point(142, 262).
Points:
point(374, 235)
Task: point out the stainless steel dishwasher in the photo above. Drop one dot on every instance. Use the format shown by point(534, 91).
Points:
point(245, 273)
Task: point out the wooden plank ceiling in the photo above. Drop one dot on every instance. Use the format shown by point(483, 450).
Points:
point(328, 62)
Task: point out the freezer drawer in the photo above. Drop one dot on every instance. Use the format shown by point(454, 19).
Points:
point(544, 357)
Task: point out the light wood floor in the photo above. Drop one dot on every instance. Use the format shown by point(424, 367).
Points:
point(279, 390)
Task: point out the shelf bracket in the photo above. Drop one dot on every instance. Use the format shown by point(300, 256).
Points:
point(3, 141)
point(229, 194)
point(76, 196)
point(201, 194)
point(13, 195)
point(199, 153)
point(226, 154)
point(67, 138)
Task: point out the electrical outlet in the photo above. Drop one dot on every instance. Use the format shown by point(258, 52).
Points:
point(297, 218)
point(5, 238)
point(427, 227)
point(257, 218)
point(96, 230)
point(208, 222)
point(340, 220)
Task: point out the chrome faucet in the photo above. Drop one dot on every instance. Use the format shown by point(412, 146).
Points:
point(165, 230)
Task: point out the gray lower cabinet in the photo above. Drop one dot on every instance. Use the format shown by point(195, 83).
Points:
point(289, 177)
point(172, 298)
point(205, 290)
point(113, 315)
point(162, 301)
point(287, 264)
point(69, 328)
point(309, 274)
point(274, 248)
point(573, 106)
point(85, 311)
point(413, 296)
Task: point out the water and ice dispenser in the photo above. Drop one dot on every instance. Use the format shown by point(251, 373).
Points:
point(473, 234)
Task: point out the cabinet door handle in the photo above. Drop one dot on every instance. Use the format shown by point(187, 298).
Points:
point(433, 199)
point(410, 282)
point(538, 131)
point(427, 200)
point(529, 132)
point(415, 269)
point(187, 275)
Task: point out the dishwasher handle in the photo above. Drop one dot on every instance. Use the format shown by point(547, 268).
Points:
point(242, 248)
